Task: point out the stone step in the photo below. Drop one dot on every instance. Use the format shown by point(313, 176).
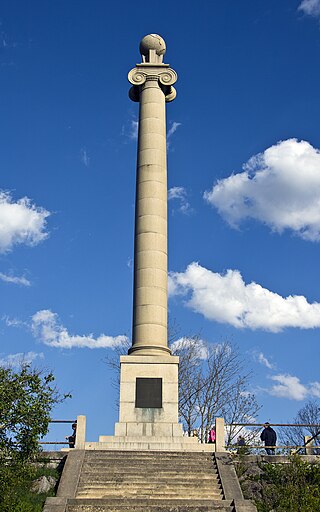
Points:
point(152, 468)
point(147, 454)
point(162, 487)
point(155, 477)
point(145, 460)
point(146, 468)
point(154, 465)
point(152, 446)
point(154, 491)
point(149, 468)
point(148, 505)
point(146, 495)
point(150, 461)
point(112, 480)
point(153, 455)
point(123, 466)
point(149, 483)
point(172, 440)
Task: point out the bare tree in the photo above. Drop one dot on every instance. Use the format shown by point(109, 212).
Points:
point(213, 382)
point(309, 414)
point(113, 362)
point(190, 379)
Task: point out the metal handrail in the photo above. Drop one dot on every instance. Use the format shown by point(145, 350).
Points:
point(53, 442)
point(273, 424)
point(262, 447)
point(298, 448)
point(66, 421)
point(58, 442)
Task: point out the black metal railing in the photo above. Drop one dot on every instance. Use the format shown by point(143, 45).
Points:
point(65, 442)
point(249, 443)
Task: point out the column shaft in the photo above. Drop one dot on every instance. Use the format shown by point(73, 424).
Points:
point(150, 309)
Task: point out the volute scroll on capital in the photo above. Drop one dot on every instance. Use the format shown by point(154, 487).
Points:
point(136, 77)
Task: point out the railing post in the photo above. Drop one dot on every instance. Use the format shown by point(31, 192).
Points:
point(309, 445)
point(219, 428)
point(81, 432)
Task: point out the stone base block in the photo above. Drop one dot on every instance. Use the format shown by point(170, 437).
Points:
point(148, 396)
point(148, 429)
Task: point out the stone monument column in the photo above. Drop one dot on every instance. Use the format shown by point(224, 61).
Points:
point(152, 82)
point(149, 374)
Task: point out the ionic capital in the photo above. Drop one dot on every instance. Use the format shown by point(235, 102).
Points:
point(163, 74)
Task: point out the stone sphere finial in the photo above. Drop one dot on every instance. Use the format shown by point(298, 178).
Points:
point(152, 44)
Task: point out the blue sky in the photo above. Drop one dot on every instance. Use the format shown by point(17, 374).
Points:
point(244, 189)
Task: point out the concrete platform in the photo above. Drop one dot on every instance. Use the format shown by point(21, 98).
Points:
point(184, 444)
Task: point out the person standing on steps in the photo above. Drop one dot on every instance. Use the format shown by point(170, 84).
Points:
point(212, 435)
point(72, 438)
point(269, 437)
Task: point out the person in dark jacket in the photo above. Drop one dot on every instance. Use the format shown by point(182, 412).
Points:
point(72, 438)
point(241, 443)
point(269, 437)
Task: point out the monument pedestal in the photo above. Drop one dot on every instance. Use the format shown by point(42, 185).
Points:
point(148, 397)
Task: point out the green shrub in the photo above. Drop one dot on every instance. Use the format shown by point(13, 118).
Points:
point(27, 397)
point(293, 487)
point(16, 481)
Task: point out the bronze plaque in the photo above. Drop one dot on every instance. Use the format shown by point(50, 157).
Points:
point(148, 393)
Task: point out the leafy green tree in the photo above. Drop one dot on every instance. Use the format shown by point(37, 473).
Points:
point(27, 397)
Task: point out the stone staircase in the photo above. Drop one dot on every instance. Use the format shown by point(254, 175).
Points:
point(149, 481)
point(144, 474)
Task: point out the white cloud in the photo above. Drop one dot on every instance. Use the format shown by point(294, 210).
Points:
point(14, 279)
point(132, 130)
point(280, 188)
point(289, 387)
point(173, 128)
point(46, 327)
point(21, 222)
point(261, 358)
point(185, 343)
point(180, 194)
point(226, 298)
point(16, 360)
point(84, 157)
point(13, 322)
point(311, 7)
point(315, 389)
point(176, 193)
point(134, 127)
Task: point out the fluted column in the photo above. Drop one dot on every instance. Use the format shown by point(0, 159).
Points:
point(152, 87)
